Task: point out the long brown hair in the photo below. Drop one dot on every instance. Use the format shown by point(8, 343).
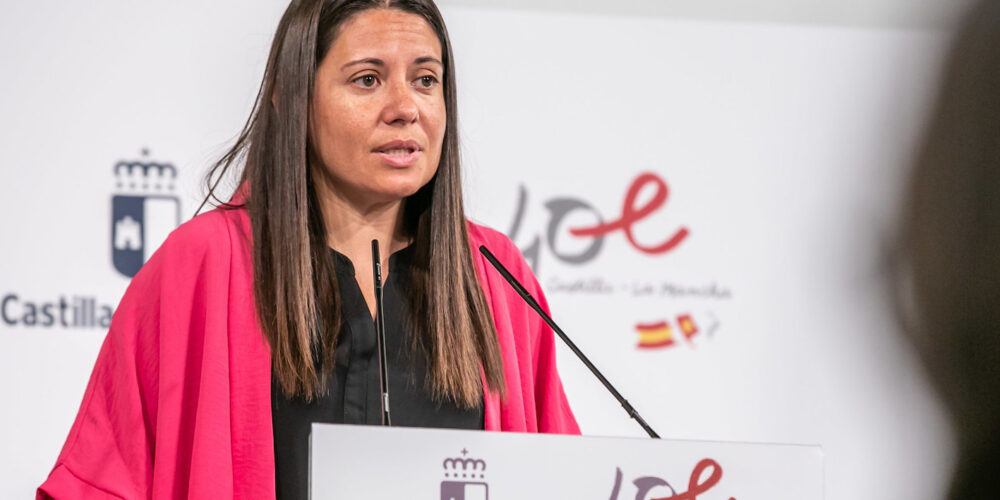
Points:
point(949, 250)
point(295, 286)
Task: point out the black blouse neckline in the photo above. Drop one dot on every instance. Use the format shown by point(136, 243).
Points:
point(400, 261)
point(352, 392)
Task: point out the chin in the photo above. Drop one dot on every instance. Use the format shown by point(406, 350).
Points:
point(404, 186)
point(397, 191)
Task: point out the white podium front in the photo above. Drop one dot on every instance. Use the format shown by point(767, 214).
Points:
point(355, 462)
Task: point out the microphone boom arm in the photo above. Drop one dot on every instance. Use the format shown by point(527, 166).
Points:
point(576, 350)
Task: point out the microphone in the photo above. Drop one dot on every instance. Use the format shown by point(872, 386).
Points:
point(593, 369)
point(383, 377)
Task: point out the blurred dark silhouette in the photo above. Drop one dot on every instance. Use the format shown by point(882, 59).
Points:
point(950, 250)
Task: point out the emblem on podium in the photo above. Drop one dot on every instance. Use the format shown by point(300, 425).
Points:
point(143, 212)
point(464, 479)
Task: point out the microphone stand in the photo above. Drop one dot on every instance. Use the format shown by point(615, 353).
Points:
point(593, 369)
point(383, 377)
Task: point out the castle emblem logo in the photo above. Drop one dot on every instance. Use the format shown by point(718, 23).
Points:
point(464, 479)
point(143, 212)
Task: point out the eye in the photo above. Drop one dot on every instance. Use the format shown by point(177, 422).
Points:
point(366, 81)
point(426, 82)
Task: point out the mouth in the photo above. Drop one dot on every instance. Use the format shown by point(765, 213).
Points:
point(399, 153)
point(398, 148)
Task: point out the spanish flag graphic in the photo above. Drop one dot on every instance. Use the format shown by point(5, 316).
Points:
point(687, 326)
point(653, 335)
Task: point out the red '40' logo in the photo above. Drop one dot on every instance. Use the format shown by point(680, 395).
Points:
point(560, 208)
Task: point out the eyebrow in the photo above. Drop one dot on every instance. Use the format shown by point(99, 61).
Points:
point(428, 59)
point(378, 62)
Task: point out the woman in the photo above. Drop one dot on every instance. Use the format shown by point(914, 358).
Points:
point(950, 251)
point(254, 320)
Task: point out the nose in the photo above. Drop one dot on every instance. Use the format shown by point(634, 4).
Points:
point(400, 107)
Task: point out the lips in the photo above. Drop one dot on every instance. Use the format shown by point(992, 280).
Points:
point(398, 148)
point(399, 153)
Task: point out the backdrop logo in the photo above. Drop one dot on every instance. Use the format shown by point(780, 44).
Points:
point(143, 213)
point(691, 307)
point(631, 213)
point(665, 334)
point(58, 312)
point(698, 484)
point(465, 479)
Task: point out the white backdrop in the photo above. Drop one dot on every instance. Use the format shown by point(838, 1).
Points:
point(781, 146)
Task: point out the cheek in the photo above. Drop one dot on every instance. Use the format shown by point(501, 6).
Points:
point(435, 137)
point(436, 127)
point(338, 130)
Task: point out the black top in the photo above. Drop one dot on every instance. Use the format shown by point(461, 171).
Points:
point(352, 395)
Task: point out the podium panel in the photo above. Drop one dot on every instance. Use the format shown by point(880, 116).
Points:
point(391, 463)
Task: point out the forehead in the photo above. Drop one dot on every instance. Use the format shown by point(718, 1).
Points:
point(384, 33)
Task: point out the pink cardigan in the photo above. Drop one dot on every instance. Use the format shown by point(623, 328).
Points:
point(179, 402)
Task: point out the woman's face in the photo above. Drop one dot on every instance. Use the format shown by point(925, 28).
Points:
point(377, 119)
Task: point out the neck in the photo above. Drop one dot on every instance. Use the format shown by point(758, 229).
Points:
point(352, 222)
point(350, 228)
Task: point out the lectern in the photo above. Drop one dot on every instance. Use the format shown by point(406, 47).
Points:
point(354, 462)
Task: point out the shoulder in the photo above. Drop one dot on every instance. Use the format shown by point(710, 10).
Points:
point(205, 231)
point(213, 232)
point(204, 244)
point(494, 241)
point(193, 265)
point(503, 249)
